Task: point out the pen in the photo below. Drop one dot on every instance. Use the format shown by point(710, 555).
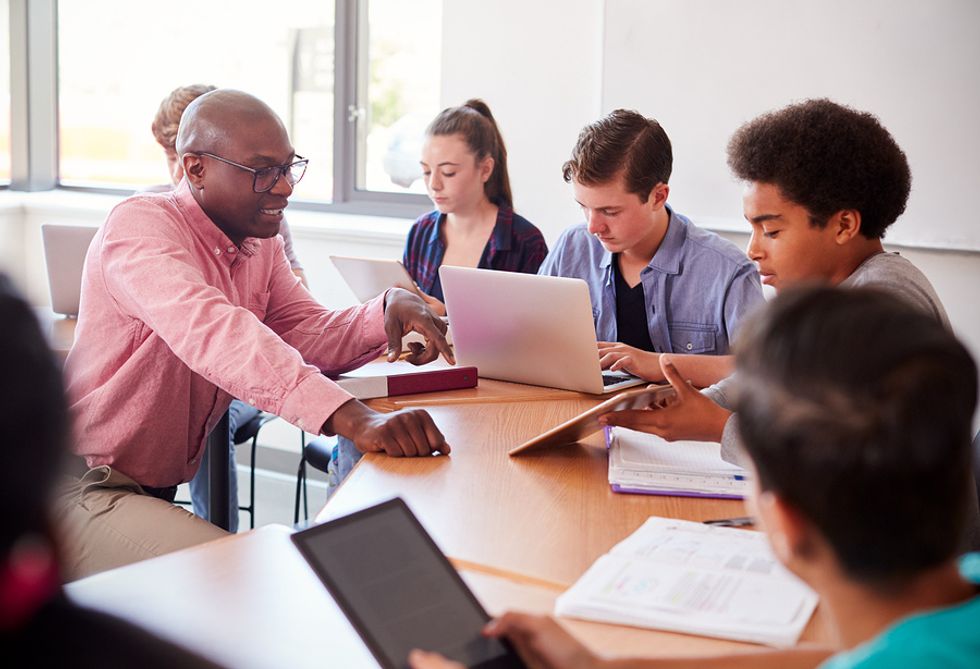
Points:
point(740, 521)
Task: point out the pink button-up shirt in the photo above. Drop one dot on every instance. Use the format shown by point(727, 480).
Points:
point(175, 320)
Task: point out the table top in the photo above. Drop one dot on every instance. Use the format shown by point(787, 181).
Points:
point(520, 529)
point(250, 601)
point(547, 514)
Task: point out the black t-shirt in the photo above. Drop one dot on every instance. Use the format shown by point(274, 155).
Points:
point(62, 634)
point(631, 312)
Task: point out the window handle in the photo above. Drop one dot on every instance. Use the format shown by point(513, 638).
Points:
point(355, 113)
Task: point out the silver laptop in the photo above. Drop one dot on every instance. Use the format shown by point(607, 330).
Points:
point(369, 277)
point(65, 247)
point(527, 329)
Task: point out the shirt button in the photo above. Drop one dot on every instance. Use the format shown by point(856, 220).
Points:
point(217, 251)
point(689, 346)
point(231, 249)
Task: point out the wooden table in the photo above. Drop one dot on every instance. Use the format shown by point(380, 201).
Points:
point(546, 515)
point(250, 601)
point(520, 530)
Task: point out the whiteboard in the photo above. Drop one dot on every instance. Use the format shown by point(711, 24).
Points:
point(704, 67)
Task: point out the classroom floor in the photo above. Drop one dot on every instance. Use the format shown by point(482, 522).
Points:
point(275, 495)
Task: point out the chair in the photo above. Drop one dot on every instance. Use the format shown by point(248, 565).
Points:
point(245, 432)
point(316, 453)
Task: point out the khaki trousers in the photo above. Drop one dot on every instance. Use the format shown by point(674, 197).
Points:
point(106, 520)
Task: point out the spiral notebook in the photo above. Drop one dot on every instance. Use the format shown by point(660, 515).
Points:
point(647, 464)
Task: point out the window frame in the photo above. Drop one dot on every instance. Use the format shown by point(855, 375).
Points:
point(34, 112)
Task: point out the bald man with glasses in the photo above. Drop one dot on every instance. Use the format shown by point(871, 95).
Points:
point(187, 301)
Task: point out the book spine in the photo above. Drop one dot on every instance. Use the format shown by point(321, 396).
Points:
point(428, 382)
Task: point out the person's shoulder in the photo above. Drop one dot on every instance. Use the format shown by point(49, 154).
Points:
point(898, 275)
point(577, 237)
point(143, 211)
point(887, 267)
point(701, 240)
point(943, 637)
point(522, 224)
point(423, 227)
point(76, 627)
point(427, 220)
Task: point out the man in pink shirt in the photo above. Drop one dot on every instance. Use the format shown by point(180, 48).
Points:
point(187, 301)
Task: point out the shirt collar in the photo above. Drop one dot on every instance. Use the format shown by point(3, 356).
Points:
point(667, 258)
point(216, 241)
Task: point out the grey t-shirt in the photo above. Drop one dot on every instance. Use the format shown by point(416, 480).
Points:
point(888, 271)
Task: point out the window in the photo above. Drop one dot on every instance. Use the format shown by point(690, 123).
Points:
point(118, 59)
point(398, 92)
point(376, 77)
point(5, 94)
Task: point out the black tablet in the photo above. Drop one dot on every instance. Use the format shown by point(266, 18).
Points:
point(398, 590)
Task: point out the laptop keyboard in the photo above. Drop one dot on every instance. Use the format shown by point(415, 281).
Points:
point(612, 379)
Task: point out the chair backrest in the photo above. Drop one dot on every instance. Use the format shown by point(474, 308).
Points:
point(65, 247)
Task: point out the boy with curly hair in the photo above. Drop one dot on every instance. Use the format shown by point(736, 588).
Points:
point(823, 182)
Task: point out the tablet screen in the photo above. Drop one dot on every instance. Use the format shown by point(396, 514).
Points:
point(398, 590)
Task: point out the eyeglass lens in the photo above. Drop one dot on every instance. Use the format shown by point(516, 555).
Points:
point(265, 179)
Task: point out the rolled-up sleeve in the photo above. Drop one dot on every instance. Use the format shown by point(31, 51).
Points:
point(151, 274)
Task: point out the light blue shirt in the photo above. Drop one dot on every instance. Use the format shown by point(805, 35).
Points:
point(697, 287)
point(947, 638)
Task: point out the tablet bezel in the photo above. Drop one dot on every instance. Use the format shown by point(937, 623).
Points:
point(587, 422)
point(303, 539)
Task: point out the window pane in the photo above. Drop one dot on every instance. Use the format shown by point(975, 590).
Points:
point(401, 82)
point(118, 59)
point(5, 91)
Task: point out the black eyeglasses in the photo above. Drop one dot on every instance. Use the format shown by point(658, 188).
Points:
point(266, 178)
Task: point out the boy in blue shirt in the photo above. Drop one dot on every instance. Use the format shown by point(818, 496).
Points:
point(658, 283)
point(855, 409)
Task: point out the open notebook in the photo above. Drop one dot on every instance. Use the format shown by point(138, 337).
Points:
point(680, 576)
point(648, 464)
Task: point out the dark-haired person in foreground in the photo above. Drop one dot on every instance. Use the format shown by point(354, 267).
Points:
point(823, 182)
point(38, 623)
point(187, 301)
point(658, 283)
point(855, 408)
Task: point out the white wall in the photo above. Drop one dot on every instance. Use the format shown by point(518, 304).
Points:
point(704, 67)
point(538, 66)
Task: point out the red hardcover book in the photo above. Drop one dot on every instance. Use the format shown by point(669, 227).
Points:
point(409, 383)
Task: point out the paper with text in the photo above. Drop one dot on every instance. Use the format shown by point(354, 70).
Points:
point(688, 577)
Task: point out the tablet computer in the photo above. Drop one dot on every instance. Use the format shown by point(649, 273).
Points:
point(587, 423)
point(369, 277)
point(398, 590)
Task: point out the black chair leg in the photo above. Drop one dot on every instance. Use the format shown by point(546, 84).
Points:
point(300, 476)
point(300, 484)
point(306, 501)
point(251, 488)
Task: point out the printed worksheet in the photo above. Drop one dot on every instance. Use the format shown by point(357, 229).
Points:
point(689, 577)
